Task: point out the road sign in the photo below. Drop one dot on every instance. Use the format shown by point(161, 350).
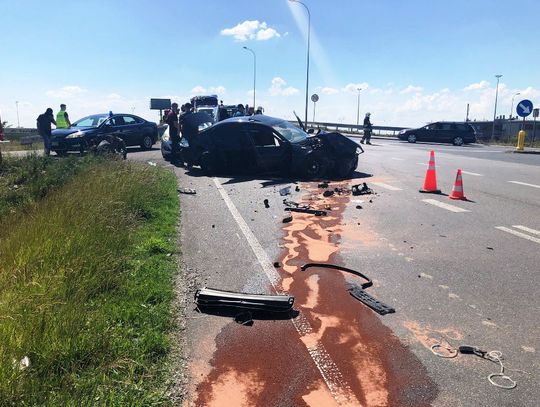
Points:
point(314, 98)
point(524, 108)
point(535, 112)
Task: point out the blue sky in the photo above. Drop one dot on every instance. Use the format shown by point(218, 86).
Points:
point(416, 61)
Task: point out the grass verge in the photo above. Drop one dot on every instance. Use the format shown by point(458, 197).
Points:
point(86, 287)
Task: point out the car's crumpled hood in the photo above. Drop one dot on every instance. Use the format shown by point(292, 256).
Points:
point(339, 143)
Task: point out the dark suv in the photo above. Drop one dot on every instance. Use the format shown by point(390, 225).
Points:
point(441, 132)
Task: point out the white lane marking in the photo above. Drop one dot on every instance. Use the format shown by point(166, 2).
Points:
point(338, 386)
point(443, 205)
point(524, 183)
point(472, 173)
point(398, 159)
point(519, 234)
point(390, 187)
point(526, 229)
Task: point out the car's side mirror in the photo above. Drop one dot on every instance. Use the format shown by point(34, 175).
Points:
point(310, 131)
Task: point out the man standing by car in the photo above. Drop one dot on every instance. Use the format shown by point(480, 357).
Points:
point(62, 118)
point(367, 130)
point(174, 130)
point(240, 112)
point(44, 122)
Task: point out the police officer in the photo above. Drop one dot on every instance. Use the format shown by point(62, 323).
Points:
point(62, 118)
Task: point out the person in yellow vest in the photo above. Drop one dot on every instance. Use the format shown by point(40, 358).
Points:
point(62, 118)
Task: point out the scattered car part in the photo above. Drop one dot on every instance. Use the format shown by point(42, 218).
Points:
point(244, 318)
point(358, 206)
point(328, 193)
point(107, 145)
point(315, 212)
point(292, 204)
point(374, 304)
point(363, 190)
point(287, 219)
point(266, 204)
point(187, 191)
point(323, 185)
point(285, 191)
point(297, 189)
point(367, 284)
point(277, 264)
point(209, 297)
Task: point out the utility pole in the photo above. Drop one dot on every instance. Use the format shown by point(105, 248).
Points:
point(17, 106)
point(495, 111)
point(358, 109)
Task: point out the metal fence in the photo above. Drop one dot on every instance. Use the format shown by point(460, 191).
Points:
point(353, 128)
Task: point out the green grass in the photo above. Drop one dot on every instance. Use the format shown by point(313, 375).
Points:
point(14, 145)
point(86, 288)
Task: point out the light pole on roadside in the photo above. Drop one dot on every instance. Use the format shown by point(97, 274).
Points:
point(307, 69)
point(512, 105)
point(358, 108)
point(254, 73)
point(495, 111)
point(17, 107)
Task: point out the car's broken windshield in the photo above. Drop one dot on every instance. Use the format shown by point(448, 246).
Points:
point(290, 132)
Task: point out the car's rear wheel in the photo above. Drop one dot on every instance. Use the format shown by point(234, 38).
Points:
point(411, 138)
point(458, 141)
point(208, 163)
point(147, 142)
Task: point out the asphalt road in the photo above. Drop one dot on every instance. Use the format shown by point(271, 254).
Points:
point(457, 272)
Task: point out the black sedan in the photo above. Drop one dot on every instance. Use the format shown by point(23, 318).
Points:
point(263, 144)
point(134, 130)
point(441, 132)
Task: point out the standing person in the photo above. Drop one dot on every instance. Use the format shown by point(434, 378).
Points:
point(62, 118)
point(367, 130)
point(44, 122)
point(240, 111)
point(174, 130)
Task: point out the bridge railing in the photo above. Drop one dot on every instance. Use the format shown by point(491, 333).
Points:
point(353, 128)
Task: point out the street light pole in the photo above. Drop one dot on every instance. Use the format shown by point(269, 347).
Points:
point(254, 73)
point(358, 108)
point(307, 69)
point(512, 106)
point(17, 106)
point(495, 111)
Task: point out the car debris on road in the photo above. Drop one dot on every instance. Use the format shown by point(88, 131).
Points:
point(361, 189)
point(187, 191)
point(315, 212)
point(209, 297)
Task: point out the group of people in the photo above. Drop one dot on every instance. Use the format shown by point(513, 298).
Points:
point(44, 122)
point(179, 123)
point(247, 110)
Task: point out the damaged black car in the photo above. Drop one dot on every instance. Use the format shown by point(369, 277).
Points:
point(263, 144)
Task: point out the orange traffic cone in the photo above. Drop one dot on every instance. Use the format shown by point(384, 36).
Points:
point(430, 183)
point(457, 191)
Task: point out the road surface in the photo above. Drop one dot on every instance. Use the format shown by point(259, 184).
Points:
point(457, 273)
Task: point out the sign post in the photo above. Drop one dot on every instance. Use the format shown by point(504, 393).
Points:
point(523, 109)
point(314, 99)
point(535, 115)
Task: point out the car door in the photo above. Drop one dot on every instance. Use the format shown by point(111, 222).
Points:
point(447, 132)
point(232, 146)
point(271, 150)
point(130, 131)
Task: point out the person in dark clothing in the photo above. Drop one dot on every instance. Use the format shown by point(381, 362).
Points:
point(240, 112)
point(367, 130)
point(44, 122)
point(174, 130)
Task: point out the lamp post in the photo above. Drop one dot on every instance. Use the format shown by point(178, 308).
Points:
point(358, 109)
point(495, 111)
point(254, 73)
point(17, 107)
point(307, 69)
point(512, 105)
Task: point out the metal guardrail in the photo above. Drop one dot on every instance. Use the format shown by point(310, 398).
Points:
point(30, 140)
point(353, 128)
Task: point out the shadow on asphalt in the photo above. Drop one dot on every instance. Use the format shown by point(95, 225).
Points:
point(232, 312)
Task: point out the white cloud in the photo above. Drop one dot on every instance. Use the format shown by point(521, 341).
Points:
point(353, 87)
point(66, 92)
point(201, 90)
point(329, 91)
point(477, 86)
point(114, 96)
point(251, 30)
point(279, 88)
point(412, 89)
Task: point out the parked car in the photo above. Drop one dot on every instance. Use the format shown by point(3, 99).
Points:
point(263, 144)
point(441, 132)
point(134, 130)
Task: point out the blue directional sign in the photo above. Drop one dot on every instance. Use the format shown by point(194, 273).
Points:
point(524, 108)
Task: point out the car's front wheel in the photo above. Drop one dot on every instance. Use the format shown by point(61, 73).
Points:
point(346, 168)
point(411, 138)
point(147, 142)
point(314, 167)
point(458, 141)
